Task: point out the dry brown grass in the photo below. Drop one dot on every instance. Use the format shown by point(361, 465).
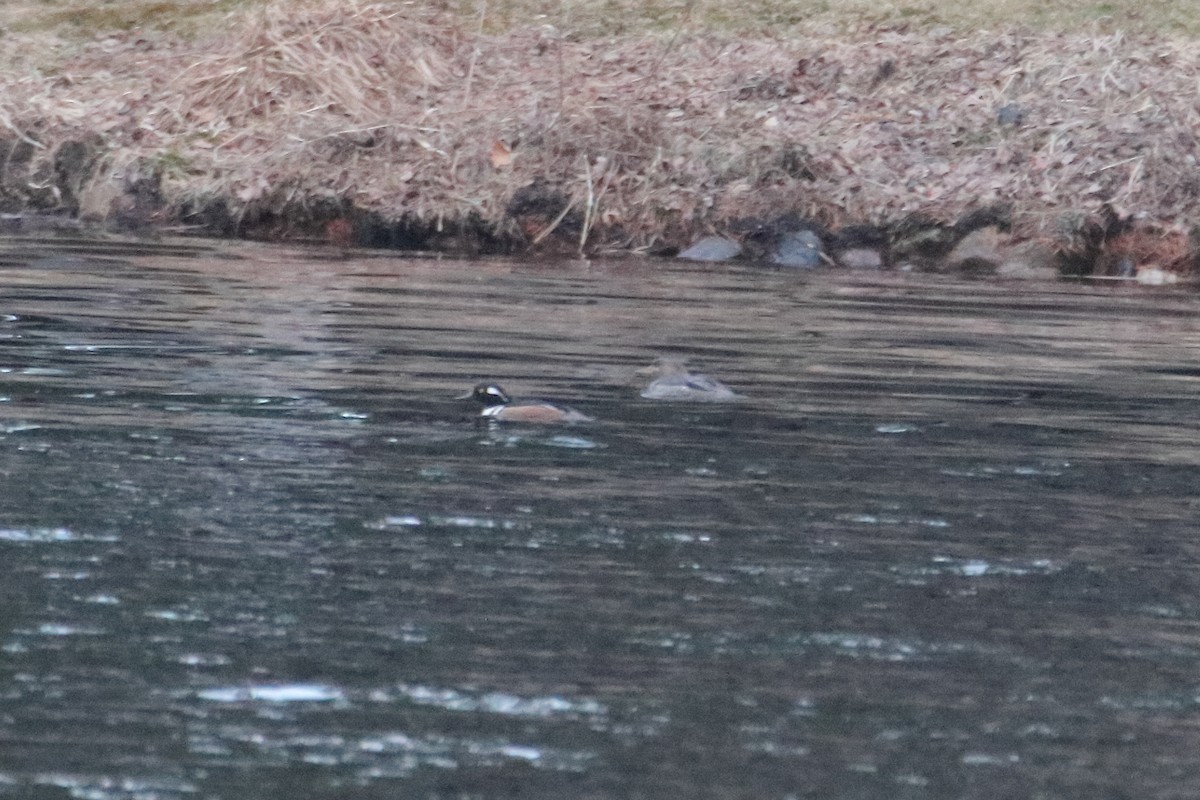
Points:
point(584, 19)
point(408, 109)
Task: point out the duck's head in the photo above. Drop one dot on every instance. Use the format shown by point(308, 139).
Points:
point(487, 395)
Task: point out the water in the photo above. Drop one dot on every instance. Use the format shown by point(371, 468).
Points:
point(251, 548)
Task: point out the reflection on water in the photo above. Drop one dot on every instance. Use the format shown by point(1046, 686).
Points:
point(944, 548)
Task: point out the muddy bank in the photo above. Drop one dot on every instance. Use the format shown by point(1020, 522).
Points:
point(393, 126)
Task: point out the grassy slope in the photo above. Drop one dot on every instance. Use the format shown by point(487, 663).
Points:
point(648, 115)
point(587, 18)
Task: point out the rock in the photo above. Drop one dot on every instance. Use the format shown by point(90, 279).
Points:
point(1125, 268)
point(75, 161)
point(978, 251)
point(542, 210)
point(798, 249)
point(16, 163)
point(1155, 276)
point(1030, 260)
point(852, 236)
point(917, 238)
point(1111, 264)
point(787, 239)
point(712, 248)
point(539, 198)
point(37, 224)
point(96, 199)
point(860, 258)
point(141, 203)
point(997, 215)
point(990, 250)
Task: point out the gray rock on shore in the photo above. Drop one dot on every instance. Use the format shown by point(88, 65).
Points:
point(798, 249)
point(712, 248)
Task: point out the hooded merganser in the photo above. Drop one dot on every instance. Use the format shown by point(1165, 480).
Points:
point(674, 382)
point(498, 405)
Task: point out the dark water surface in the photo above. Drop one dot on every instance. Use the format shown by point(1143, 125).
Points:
point(250, 548)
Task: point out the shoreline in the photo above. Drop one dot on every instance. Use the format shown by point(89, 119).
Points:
point(390, 126)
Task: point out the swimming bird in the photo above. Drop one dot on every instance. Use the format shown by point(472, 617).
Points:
point(500, 406)
point(674, 382)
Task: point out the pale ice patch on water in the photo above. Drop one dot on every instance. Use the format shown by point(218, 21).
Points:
point(37, 535)
point(1035, 471)
point(51, 536)
point(571, 442)
point(920, 573)
point(397, 754)
point(764, 744)
point(503, 703)
point(273, 693)
point(107, 787)
point(67, 629)
point(1050, 469)
point(891, 519)
point(877, 647)
point(872, 646)
point(177, 615)
point(387, 754)
point(1166, 612)
point(434, 473)
point(440, 520)
point(203, 659)
point(674, 641)
point(974, 568)
point(896, 427)
point(1153, 702)
point(786, 574)
point(48, 372)
point(397, 521)
point(979, 567)
point(392, 742)
point(468, 521)
point(989, 759)
point(520, 752)
point(701, 472)
point(407, 634)
point(685, 537)
point(496, 438)
point(496, 753)
point(912, 779)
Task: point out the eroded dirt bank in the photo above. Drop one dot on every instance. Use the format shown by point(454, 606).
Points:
point(397, 126)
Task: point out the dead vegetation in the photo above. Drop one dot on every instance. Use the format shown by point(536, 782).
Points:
point(415, 112)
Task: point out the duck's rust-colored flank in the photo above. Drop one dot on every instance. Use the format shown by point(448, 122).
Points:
point(500, 406)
